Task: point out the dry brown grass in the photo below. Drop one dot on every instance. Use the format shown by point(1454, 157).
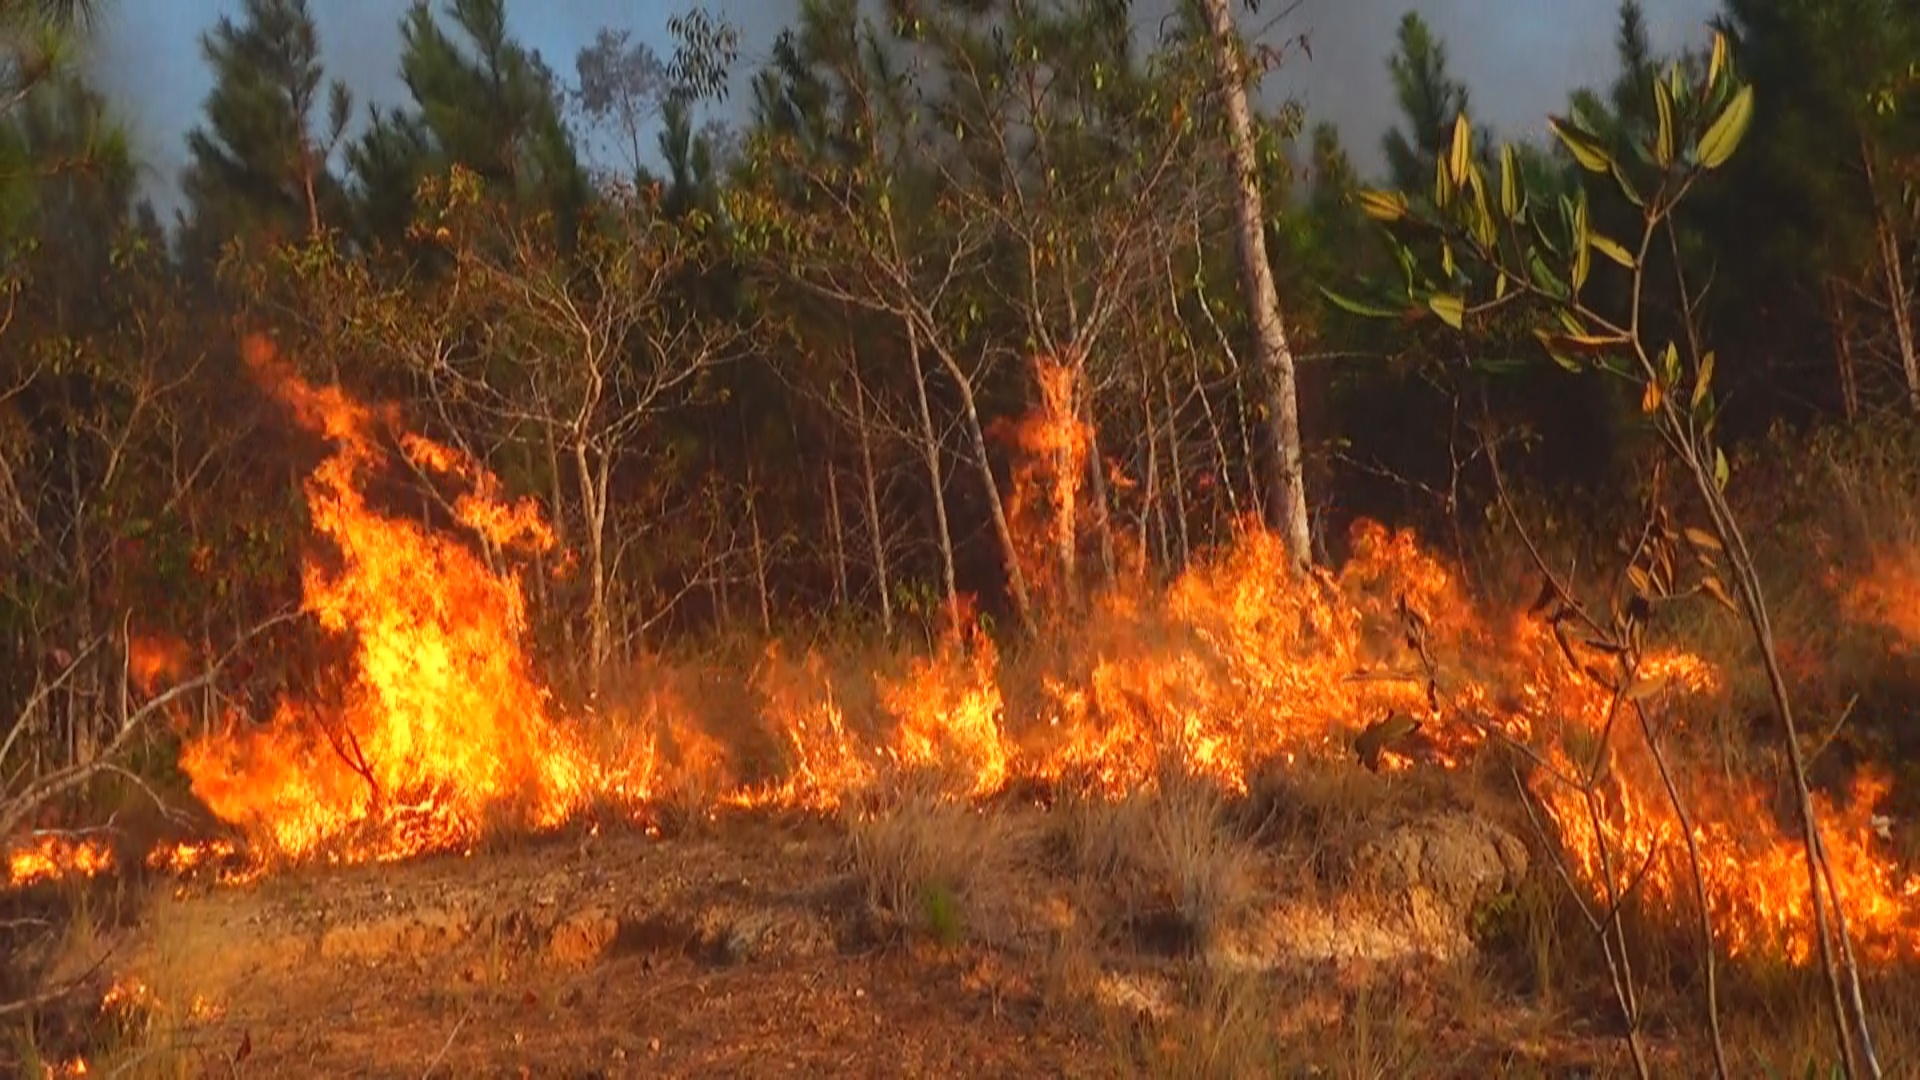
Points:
point(924, 861)
point(1224, 1031)
point(1168, 859)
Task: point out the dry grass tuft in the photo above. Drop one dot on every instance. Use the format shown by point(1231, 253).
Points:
point(1225, 1032)
point(924, 861)
point(1168, 858)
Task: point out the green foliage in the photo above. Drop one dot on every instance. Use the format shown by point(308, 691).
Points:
point(480, 100)
point(258, 167)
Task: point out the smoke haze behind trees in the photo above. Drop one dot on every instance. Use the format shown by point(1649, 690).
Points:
point(1520, 58)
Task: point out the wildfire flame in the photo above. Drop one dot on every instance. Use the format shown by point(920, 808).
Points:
point(445, 728)
point(58, 857)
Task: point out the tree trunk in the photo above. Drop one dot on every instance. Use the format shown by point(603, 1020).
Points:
point(1900, 304)
point(1287, 502)
point(1150, 492)
point(1177, 475)
point(1061, 402)
point(970, 412)
point(593, 506)
point(1097, 487)
point(873, 505)
point(312, 198)
point(930, 454)
point(559, 516)
point(1843, 352)
point(759, 555)
point(837, 532)
point(717, 592)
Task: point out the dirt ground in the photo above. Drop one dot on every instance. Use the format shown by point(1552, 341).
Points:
point(749, 949)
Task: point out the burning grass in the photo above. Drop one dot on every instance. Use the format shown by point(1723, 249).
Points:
point(1152, 711)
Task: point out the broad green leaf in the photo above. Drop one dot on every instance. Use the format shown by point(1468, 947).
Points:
point(1555, 353)
point(1543, 276)
point(1626, 187)
point(1723, 137)
point(1585, 149)
point(1358, 307)
point(1611, 249)
point(1451, 309)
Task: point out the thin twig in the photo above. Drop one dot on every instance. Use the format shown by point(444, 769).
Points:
point(448, 1045)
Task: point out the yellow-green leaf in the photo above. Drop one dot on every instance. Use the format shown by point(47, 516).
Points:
point(1451, 309)
point(1483, 226)
point(1509, 182)
point(1462, 150)
point(1720, 469)
point(1713, 588)
point(1701, 538)
point(1611, 249)
point(1703, 380)
point(1583, 342)
point(1724, 135)
point(1626, 187)
point(1663, 143)
point(1585, 149)
point(1719, 62)
point(1387, 206)
point(1582, 257)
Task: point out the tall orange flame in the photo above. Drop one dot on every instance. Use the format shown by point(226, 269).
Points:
point(444, 725)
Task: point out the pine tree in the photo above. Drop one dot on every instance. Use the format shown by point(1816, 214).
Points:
point(258, 166)
point(1429, 98)
point(1833, 271)
point(480, 100)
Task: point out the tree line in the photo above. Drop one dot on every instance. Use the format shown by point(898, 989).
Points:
point(779, 369)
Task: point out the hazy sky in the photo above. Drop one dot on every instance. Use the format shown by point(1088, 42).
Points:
point(1519, 57)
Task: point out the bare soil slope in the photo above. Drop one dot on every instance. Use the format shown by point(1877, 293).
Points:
point(757, 947)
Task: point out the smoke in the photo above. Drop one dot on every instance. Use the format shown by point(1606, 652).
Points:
point(1519, 57)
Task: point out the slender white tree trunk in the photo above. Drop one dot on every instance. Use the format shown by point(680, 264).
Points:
point(1287, 500)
